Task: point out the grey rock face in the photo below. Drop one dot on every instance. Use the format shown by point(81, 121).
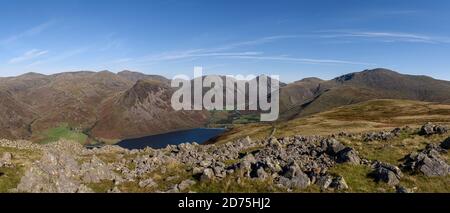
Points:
point(428, 162)
point(324, 181)
point(207, 175)
point(298, 182)
point(431, 129)
point(55, 172)
point(333, 146)
point(348, 155)
point(6, 160)
point(387, 173)
point(339, 183)
point(96, 170)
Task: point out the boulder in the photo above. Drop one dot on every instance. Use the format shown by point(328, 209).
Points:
point(292, 170)
point(261, 174)
point(401, 189)
point(428, 162)
point(207, 175)
point(348, 155)
point(96, 170)
point(246, 164)
point(387, 173)
point(299, 182)
point(431, 129)
point(324, 181)
point(339, 183)
point(55, 172)
point(6, 160)
point(333, 147)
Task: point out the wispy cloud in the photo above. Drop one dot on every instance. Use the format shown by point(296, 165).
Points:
point(193, 54)
point(29, 55)
point(27, 33)
point(254, 42)
point(301, 60)
point(219, 51)
point(224, 52)
point(60, 57)
point(385, 36)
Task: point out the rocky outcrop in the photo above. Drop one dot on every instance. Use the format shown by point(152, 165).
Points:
point(428, 162)
point(387, 173)
point(55, 172)
point(431, 129)
point(59, 171)
point(291, 163)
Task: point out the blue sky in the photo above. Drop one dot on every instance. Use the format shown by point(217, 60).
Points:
point(294, 39)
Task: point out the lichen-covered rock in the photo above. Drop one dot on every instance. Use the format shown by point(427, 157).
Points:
point(348, 155)
point(387, 173)
point(55, 172)
point(96, 170)
point(431, 129)
point(428, 162)
point(6, 160)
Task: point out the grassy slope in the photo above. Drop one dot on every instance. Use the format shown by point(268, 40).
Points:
point(62, 132)
point(367, 116)
point(363, 117)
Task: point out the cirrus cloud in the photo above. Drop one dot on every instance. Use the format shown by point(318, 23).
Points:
point(29, 55)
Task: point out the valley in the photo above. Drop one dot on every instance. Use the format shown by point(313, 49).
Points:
point(370, 131)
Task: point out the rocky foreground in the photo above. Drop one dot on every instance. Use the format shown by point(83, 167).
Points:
point(288, 164)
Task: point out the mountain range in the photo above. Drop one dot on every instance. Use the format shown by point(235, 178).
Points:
point(108, 107)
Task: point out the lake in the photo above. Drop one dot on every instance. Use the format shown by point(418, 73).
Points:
point(199, 135)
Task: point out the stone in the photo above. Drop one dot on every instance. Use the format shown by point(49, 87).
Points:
point(197, 170)
point(387, 173)
point(333, 146)
point(55, 172)
point(348, 155)
point(147, 183)
point(292, 170)
point(427, 129)
point(114, 190)
point(401, 189)
point(205, 163)
point(428, 162)
point(186, 184)
point(96, 170)
point(431, 129)
point(207, 175)
point(261, 174)
point(339, 183)
point(299, 182)
point(6, 160)
point(324, 181)
point(446, 143)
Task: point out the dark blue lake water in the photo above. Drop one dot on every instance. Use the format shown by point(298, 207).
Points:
point(199, 135)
